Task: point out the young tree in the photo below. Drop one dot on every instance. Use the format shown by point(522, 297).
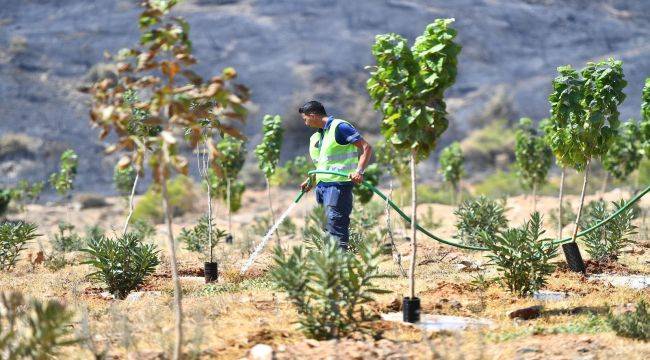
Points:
point(268, 155)
point(584, 117)
point(176, 100)
point(624, 154)
point(451, 167)
point(644, 126)
point(533, 157)
point(408, 86)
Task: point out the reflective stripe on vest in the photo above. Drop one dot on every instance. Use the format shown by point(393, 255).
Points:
point(331, 155)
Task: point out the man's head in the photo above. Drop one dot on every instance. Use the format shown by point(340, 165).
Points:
point(312, 113)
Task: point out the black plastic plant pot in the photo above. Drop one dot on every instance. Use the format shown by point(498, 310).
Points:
point(211, 272)
point(573, 258)
point(229, 239)
point(411, 309)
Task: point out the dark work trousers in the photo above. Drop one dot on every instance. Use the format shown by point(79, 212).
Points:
point(337, 199)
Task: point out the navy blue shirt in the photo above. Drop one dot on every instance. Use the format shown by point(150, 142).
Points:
point(344, 134)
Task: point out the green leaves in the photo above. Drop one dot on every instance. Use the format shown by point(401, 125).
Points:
point(451, 164)
point(329, 286)
point(371, 175)
point(584, 111)
point(232, 156)
point(606, 243)
point(523, 261)
point(533, 157)
point(63, 180)
point(408, 85)
point(14, 238)
point(479, 215)
point(645, 118)
point(121, 263)
point(624, 154)
point(197, 238)
point(268, 152)
point(635, 324)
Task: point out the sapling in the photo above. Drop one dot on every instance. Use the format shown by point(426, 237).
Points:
point(175, 99)
point(584, 118)
point(624, 154)
point(232, 152)
point(451, 167)
point(268, 155)
point(408, 86)
point(533, 157)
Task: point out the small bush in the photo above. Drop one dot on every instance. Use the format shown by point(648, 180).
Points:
point(363, 194)
point(55, 261)
point(196, 239)
point(14, 237)
point(122, 263)
point(33, 330)
point(124, 179)
point(5, 199)
point(633, 324)
point(329, 286)
point(478, 215)
point(182, 199)
point(606, 242)
point(523, 261)
point(293, 172)
point(63, 180)
point(67, 239)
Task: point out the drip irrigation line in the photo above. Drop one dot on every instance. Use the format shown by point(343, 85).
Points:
point(471, 247)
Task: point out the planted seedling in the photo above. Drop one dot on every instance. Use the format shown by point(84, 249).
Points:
point(408, 86)
point(175, 99)
point(533, 157)
point(268, 155)
point(451, 167)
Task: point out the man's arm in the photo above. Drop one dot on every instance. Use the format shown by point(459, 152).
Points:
point(364, 159)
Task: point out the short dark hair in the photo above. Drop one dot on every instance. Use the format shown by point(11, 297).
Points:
point(312, 107)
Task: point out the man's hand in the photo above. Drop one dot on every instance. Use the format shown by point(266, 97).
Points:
point(356, 177)
point(306, 185)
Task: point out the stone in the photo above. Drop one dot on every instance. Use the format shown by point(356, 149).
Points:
point(138, 295)
point(526, 313)
point(90, 201)
point(107, 296)
point(545, 295)
point(468, 266)
point(261, 352)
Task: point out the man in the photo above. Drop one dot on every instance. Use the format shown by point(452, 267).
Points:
point(335, 147)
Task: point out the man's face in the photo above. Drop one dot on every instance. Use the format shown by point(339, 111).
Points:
point(312, 120)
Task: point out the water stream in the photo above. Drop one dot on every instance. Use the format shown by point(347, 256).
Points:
point(266, 238)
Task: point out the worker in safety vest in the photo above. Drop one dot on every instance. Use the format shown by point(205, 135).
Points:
point(335, 147)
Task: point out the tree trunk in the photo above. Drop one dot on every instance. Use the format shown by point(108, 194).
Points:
point(582, 200)
point(534, 197)
point(414, 202)
point(268, 192)
point(560, 224)
point(604, 188)
point(128, 217)
point(228, 202)
point(178, 310)
point(207, 179)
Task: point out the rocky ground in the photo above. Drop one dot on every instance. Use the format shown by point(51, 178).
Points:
point(245, 316)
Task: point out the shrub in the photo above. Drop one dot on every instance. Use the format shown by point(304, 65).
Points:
point(633, 324)
point(293, 172)
point(451, 164)
point(124, 179)
point(329, 286)
point(67, 239)
point(477, 215)
point(523, 261)
point(606, 242)
point(365, 226)
point(196, 239)
point(14, 237)
point(121, 263)
point(181, 198)
point(33, 330)
point(362, 193)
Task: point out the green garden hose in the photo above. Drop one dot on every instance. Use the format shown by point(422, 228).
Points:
point(470, 247)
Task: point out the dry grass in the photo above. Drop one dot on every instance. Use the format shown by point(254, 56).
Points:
point(225, 320)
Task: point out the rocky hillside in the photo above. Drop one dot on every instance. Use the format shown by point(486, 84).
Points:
point(288, 51)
